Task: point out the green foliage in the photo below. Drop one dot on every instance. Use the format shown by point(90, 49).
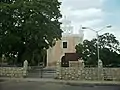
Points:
point(108, 46)
point(26, 25)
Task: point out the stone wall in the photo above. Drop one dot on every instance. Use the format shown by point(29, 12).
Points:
point(12, 72)
point(76, 72)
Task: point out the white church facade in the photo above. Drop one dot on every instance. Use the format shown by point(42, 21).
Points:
point(65, 45)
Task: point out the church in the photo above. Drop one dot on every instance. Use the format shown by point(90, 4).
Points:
point(66, 45)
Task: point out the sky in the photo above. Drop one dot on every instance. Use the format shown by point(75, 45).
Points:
point(95, 14)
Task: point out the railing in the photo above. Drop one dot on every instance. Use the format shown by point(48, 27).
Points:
point(40, 72)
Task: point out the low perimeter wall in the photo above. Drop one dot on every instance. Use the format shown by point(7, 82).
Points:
point(76, 72)
point(13, 72)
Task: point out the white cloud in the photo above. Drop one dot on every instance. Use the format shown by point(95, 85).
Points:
point(81, 4)
point(92, 23)
point(115, 30)
point(86, 13)
point(88, 34)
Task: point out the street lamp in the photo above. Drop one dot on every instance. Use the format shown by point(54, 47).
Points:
point(98, 53)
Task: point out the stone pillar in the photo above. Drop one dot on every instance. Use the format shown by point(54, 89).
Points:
point(81, 63)
point(3, 59)
point(100, 64)
point(58, 70)
point(25, 67)
point(100, 70)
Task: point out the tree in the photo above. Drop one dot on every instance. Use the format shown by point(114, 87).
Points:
point(108, 46)
point(27, 27)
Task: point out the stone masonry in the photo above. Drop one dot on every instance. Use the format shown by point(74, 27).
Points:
point(77, 71)
point(18, 72)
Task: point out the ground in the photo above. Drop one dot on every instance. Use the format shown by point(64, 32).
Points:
point(32, 85)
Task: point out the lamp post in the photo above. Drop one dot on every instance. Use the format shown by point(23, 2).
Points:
point(98, 53)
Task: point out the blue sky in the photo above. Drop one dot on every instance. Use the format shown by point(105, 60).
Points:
point(112, 7)
point(93, 13)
